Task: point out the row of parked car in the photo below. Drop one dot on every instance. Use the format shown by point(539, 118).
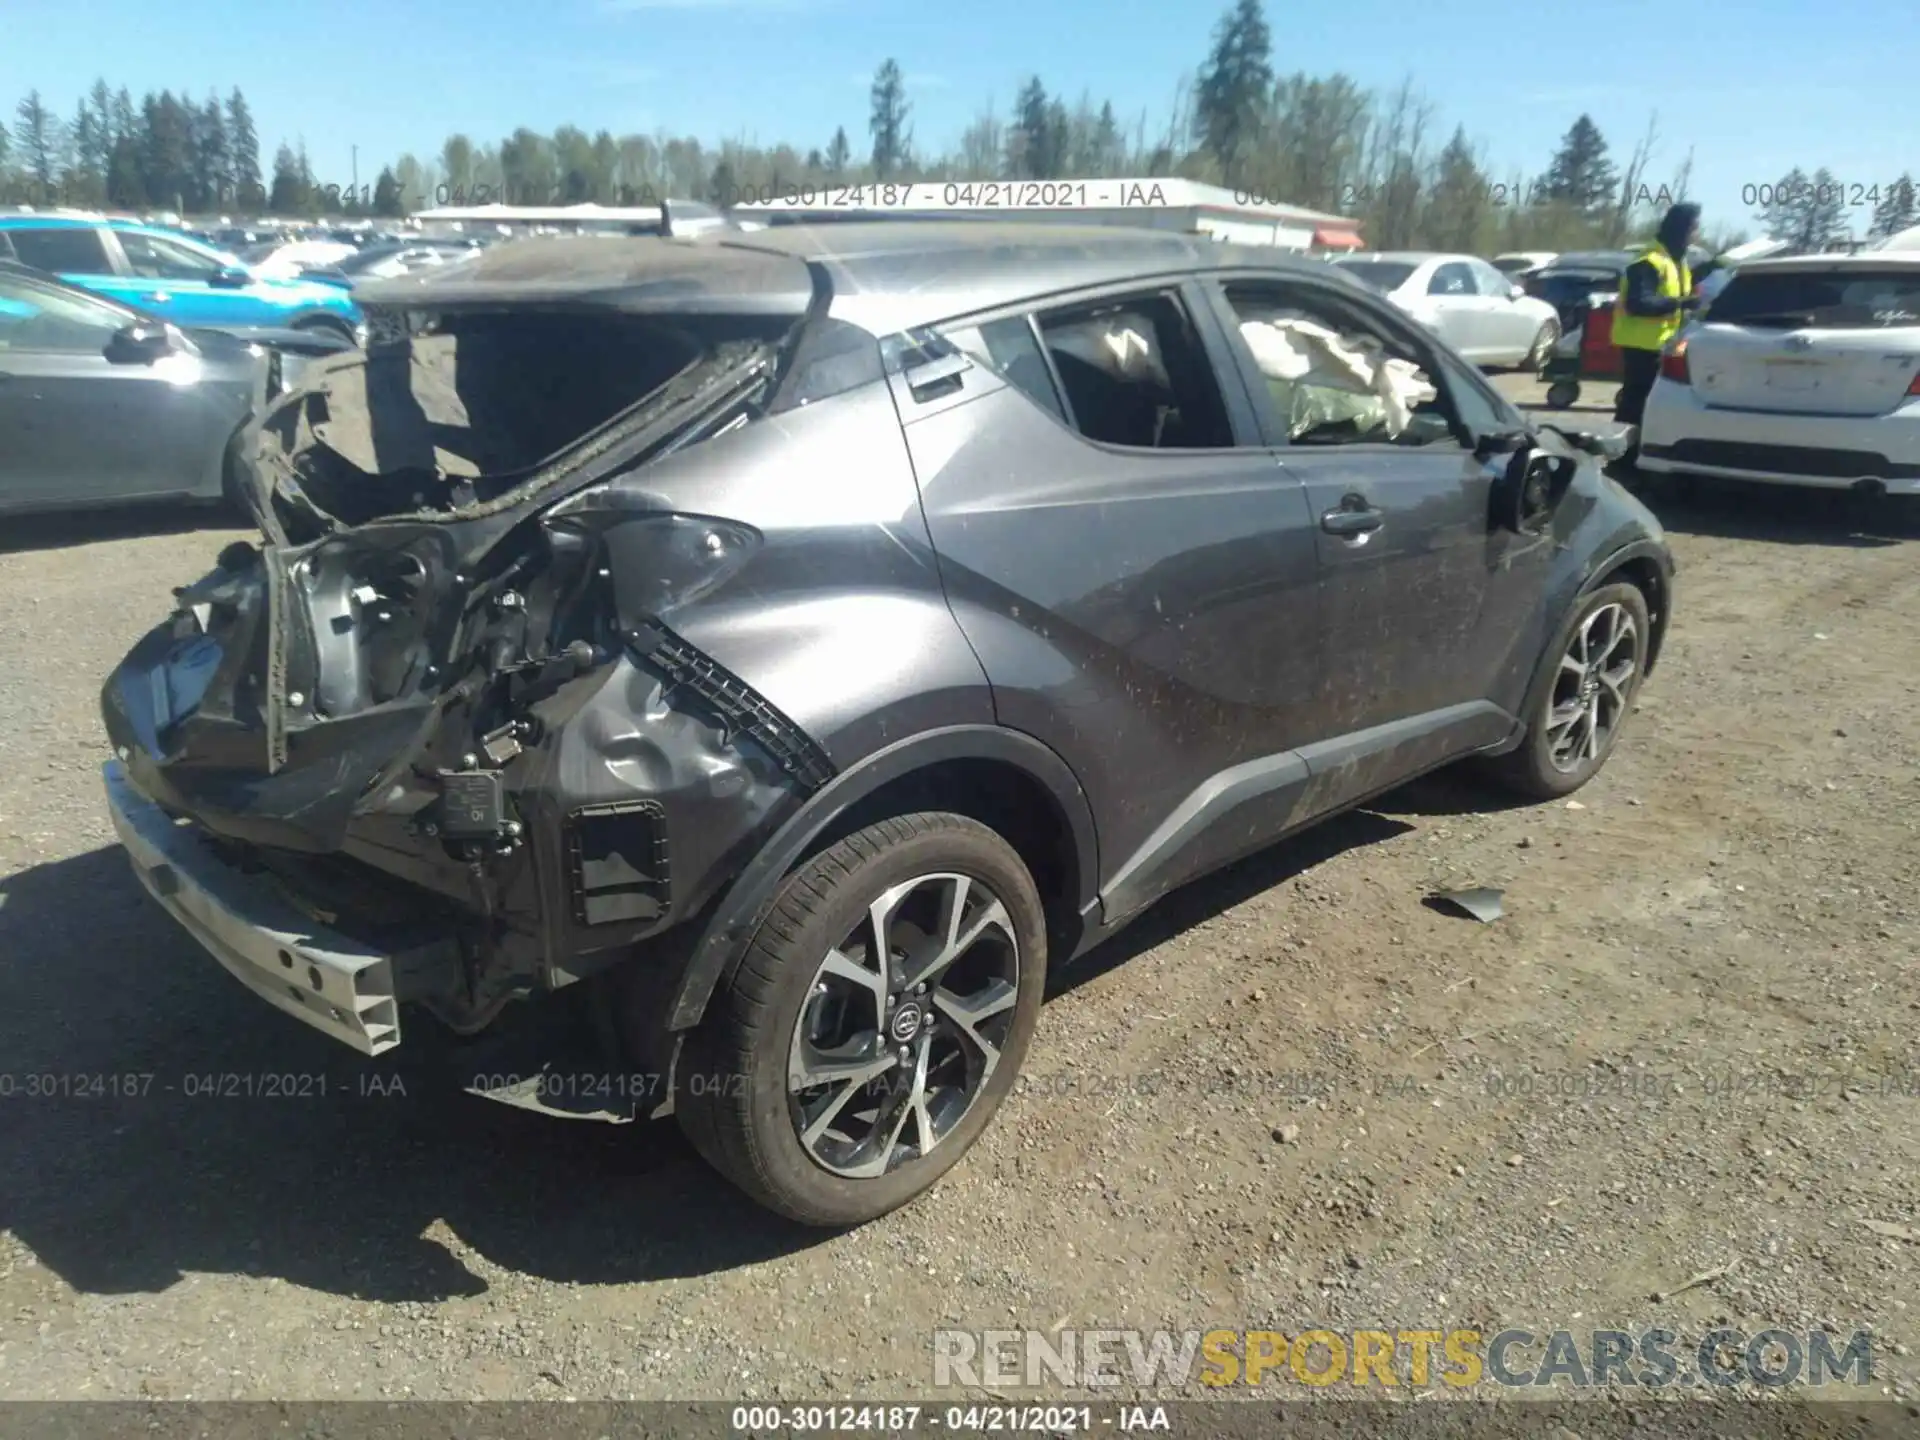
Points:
point(1798, 369)
point(131, 357)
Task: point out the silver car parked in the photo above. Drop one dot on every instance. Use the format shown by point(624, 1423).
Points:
point(1488, 317)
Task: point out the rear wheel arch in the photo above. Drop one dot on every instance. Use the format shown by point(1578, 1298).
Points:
point(322, 320)
point(1008, 781)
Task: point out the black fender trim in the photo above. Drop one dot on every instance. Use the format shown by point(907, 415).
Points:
point(746, 902)
point(1662, 558)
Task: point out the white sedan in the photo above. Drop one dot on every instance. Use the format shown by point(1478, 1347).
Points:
point(1804, 371)
point(1485, 315)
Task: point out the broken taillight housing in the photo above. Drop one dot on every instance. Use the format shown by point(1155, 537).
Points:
point(1673, 364)
point(659, 562)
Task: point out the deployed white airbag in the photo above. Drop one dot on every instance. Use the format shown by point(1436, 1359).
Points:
point(1320, 377)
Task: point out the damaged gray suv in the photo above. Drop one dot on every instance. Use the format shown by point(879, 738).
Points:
point(801, 642)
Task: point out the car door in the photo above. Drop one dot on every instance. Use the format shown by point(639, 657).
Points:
point(1509, 326)
point(1454, 302)
point(1422, 599)
point(180, 282)
point(79, 428)
point(1134, 569)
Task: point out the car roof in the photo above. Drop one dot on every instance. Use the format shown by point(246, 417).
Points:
point(1863, 260)
point(885, 275)
point(1591, 259)
point(87, 222)
point(1403, 257)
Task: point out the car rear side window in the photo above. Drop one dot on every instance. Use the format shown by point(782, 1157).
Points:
point(1133, 372)
point(1850, 299)
point(63, 249)
point(1011, 347)
point(1451, 279)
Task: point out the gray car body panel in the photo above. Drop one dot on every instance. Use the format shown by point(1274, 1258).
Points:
point(1168, 645)
point(84, 432)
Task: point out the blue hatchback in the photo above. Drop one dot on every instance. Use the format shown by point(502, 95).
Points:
point(174, 277)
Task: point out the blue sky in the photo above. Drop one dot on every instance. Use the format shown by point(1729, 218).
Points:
point(1753, 87)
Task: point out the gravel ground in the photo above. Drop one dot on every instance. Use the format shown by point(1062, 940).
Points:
point(1293, 1095)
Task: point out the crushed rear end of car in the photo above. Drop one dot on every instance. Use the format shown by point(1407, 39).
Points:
point(432, 740)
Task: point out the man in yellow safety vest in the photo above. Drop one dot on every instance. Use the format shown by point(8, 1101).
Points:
point(1656, 297)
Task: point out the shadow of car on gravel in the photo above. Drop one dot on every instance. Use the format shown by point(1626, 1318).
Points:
point(160, 1120)
point(1781, 514)
point(55, 530)
point(243, 1143)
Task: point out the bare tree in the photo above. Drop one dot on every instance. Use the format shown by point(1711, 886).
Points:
point(982, 144)
point(1633, 180)
point(1394, 161)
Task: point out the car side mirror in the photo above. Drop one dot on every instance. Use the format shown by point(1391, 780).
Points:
point(230, 277)
point(1526, 496)
point(140, 343)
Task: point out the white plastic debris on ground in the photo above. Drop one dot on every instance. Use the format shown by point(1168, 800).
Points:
point(1321, 378)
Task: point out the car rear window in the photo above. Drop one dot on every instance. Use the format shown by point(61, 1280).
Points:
point(62, 249)
point(1829, 299)
point(1381, 274)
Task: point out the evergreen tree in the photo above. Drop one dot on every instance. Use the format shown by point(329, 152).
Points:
point(839, 154)
point(126, 183)
point(1457, 204)
point(1580, 174)
point(386, 195)
point(243, 153)
point(37, 135)
point(1895, 210)
point(212, 159)
point(1234, 89)
point(1037, 139)
point(1808, 212)
point(887, 121)
point(84, 181)
point(288, 196)
point(166, 160)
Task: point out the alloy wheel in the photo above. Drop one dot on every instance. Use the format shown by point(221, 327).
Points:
point(903, 1025)
point(1591, 690)
point(1543, 346)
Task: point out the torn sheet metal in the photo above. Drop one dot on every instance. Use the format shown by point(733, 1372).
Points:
point(1482, 903)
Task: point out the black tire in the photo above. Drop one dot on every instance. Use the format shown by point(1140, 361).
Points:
point(1541, 355)
point(1531, 769)
point(1562, 394)
point(732, 1093)
point(233, 480)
